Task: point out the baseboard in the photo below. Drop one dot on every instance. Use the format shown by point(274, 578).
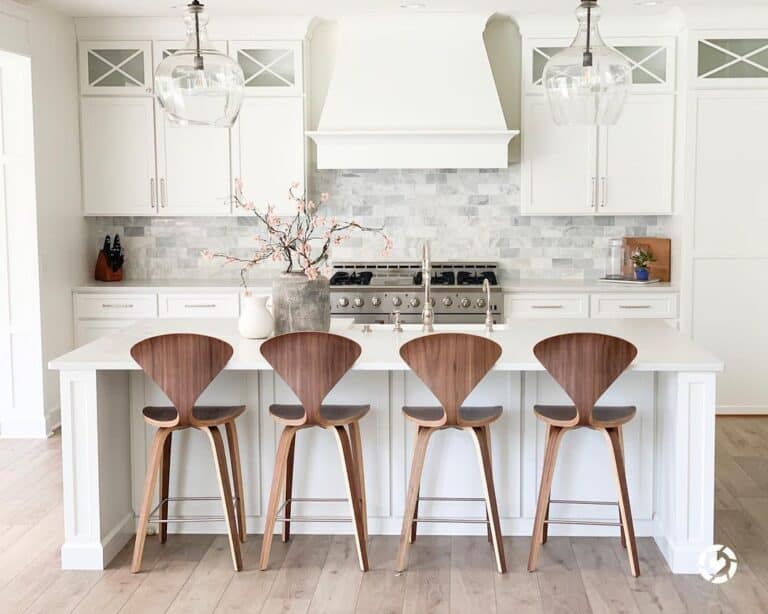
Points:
point(37, 427)
point(97, 556)
point(52, 419)
point(742, 410)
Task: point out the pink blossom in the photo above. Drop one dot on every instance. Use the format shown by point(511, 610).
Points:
point(238, 185)
point(311, 205)
point(324, 197)
point(312, 272)
point(295, 185)
point(207, 254)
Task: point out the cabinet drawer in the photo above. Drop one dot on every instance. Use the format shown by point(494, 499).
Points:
point(90, 330)
point(634, 305)
point(199, 305)
point(116, 306)
point(546, 306)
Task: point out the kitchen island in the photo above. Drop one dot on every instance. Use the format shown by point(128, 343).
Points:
point(670, 449)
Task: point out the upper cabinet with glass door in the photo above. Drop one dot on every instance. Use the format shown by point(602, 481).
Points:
point(724, 61)
point(271, 68)
point(121, 68)
point(652, 61)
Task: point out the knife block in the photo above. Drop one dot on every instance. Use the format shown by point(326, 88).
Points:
point(104, 272)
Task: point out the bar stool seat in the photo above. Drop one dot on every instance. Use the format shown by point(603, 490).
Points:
point(471, 416)
point(602, 417)
point(205, 416)
point(332, 415)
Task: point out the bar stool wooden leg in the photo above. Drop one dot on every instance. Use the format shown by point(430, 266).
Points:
point(220, 458)
point(357, 455)
point(545, 528)
point(489, 532)
point(237, 479)
point(480, 436)
point(614, 440)
point(286, 531)
point(554, 435)
point(417, 465)
point(165, 479)
point(274, 494)
point(621, 518)
point(350, 477)
point(158, 445)
point(415, 523)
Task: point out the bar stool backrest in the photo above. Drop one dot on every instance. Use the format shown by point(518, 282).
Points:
point(311, 363)
point(585, 365)
point(183, 365)
point(451, 365)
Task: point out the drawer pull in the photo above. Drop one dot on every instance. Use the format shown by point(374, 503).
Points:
point(546, 306)
point(201, 306)
point(117, 305)
point(634, 306)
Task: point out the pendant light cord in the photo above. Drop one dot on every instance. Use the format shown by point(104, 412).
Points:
point(588, 52)
point(196, 7)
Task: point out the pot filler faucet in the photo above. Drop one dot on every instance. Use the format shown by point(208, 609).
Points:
point(427, 314)
point(488, 309)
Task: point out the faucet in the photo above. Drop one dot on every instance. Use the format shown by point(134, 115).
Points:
point(427, 314)
point(488, 314)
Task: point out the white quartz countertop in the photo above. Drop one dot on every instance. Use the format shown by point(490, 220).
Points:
point(660, 347)
point(265, 286)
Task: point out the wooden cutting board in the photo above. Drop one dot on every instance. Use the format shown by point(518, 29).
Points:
point(661, 250)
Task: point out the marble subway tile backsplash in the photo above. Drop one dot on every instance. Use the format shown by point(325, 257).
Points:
point(467, 214)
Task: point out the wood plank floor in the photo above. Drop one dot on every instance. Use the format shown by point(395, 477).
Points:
point(192, 574)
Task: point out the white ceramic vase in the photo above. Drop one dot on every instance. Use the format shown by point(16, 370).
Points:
point(255, 319)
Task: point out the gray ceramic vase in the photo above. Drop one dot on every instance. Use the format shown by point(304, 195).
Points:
point(300, 303)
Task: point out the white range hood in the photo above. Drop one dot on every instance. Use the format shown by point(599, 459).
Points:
point(412, 91)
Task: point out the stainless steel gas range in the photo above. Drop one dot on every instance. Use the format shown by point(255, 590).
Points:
point(372, 291)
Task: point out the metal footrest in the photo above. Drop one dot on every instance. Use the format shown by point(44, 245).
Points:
point(279, 518)
point(153, 518)
point(451, 520)
point(583, 522)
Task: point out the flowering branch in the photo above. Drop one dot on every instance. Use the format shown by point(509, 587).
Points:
point(295, 240)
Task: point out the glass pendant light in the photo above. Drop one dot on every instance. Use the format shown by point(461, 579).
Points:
point(198, 85)
point(587, 83)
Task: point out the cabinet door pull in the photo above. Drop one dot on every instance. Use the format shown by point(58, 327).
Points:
point(117, 305)
point(603, 192)
point(546, 306)
point(593, 203)
point(634, 306)
point(200, 306)
point(163, 197)
point(152, 192)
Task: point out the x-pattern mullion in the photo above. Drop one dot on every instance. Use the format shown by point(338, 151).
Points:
point(639, 65)
point(115, 67)
point(737, 58)
point(540, 80)
point(266, 67)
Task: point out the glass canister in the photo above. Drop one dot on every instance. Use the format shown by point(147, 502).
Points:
point(614, 266)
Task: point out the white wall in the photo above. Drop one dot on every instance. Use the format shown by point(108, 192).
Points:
point(55, 238)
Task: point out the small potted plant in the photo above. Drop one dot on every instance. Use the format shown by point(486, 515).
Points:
point(641, 259)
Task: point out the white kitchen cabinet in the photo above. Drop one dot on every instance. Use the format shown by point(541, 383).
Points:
point(634, 305)
point(540, 305)
point(90, 330)
point(636, 158)
point(559, 168)
point(193, 169)
point(174, 305)
point(118, 155)
point(271, 68)
point(268, 151)
point(625, 169)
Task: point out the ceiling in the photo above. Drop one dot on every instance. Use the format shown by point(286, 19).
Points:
point(322, 8)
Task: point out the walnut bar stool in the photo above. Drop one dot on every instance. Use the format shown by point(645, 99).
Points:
point(585, 365)
point(451, 365)
point(312, 363)
point(183, 366)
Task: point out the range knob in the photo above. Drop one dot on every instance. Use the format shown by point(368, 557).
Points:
point(447, 301)
point(465, 302)
point(397, 301)
point(358, 302)
point(414, 302)
point(375, 301)
point(343, 301)
point(480, 302)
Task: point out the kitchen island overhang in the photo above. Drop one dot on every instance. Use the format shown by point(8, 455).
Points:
point(669, 445)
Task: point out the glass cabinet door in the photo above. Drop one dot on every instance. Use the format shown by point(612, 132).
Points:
point(271, 68)
point(732, 62)
point(115, 67)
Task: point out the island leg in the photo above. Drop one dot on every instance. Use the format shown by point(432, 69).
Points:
point(96, 466)
point(685, 467)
